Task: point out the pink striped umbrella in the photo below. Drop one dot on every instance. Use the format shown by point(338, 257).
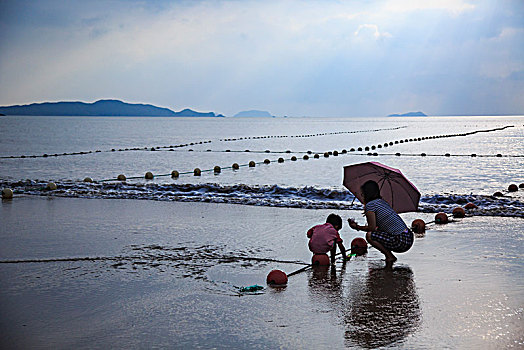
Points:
point(395, 189)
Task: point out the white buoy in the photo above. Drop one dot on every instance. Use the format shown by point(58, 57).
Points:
point(7, 193)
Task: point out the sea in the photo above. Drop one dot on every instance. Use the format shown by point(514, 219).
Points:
point(283, 162)
point(181, 262)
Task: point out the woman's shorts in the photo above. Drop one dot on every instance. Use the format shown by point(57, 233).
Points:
point(396, 242)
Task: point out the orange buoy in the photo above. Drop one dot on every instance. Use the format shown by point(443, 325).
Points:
point(197, 172)
point(320, 260)
point(418, 226)
point(149, 175)
point(359, 246)
point(305, 157)
point(267, 161)
point(235, 166)
point(217, 169)
point(441, 218)
point(458, 212)
point(121, 177)
point(175, 174)
point(276, 277)
point(497, 194)
point(281, 160)
point(513, 188)
point(521, 185)
point(252, 164)
point(470, 206)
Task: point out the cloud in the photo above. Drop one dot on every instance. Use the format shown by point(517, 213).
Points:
point(326, 58)
point(366, 29)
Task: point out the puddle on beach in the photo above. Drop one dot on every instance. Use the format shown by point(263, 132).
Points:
point(458, 287)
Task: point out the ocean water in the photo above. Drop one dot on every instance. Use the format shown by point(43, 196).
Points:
point(451, 160)
point(143, 264)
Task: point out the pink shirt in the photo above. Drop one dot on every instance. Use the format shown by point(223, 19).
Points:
point(322, 238)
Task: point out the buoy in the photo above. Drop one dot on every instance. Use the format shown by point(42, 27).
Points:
point(513, 188)
point(7, 193)
point(521, 185)
point(51, 186)
point(276, 277)
point(470, 206)
point(497, 194)
point(267, 161)
point(326, 155)
point(149, 175)
point(305, 157)
point(316, 156)
point(197, 172)
point(293, 158)
point(458, 212)
point(441, 218)
point(359, 246)
point(217, 169)
point(252, 164)
point(121, 177)
point(335, 153)
point(320, 260)
point(88, 179)
point(281, 160)
point(235, 166)
point(418, 226)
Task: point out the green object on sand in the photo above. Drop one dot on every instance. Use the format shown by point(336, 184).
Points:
point(250, 289)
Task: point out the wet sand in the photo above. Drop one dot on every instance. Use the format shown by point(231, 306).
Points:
point(88, 273)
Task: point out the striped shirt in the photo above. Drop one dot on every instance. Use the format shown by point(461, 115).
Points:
point(386, 218)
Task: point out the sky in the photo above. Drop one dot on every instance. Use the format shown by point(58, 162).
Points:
point(292, 58)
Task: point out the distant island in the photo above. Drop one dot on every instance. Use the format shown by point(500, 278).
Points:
point(254, 113)
point(109, 108)
point(409, 114)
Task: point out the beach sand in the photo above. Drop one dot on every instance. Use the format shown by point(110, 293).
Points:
point(90, 273)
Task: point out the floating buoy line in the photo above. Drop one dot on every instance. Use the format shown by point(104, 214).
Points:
point(306, 154)
point(172, 147)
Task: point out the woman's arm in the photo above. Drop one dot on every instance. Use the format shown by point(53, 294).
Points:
point(371, 223)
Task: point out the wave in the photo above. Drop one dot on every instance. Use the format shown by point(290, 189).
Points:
point(307, 197)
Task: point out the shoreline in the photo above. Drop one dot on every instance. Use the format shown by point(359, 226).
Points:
point(177, 265)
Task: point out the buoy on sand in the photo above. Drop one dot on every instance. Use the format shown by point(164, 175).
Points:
point(276, 278)
point(458, 212)
point(418, 226)
point(359, 246)
point(441, 218)
point(470, 206)
point(320, 260)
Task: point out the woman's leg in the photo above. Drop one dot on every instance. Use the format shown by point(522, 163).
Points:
point(390, 258)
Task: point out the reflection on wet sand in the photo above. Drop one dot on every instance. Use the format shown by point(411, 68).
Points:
point(379, 308)
point(383, 310)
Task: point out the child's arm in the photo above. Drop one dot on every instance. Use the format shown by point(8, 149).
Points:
point(310, 232)
point(343, 250)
